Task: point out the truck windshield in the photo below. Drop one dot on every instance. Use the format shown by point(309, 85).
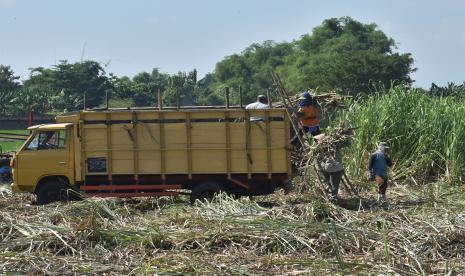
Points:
point(51, 139)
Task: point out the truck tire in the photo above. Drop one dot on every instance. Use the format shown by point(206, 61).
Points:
point(205, 191)
point(51, 191)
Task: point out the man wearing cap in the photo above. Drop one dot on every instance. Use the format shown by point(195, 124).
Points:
point(261, 103)
point(308, 114)
point(330, 165)
point(378, 169)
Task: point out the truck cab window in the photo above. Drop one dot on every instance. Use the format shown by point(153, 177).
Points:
point(46, 140)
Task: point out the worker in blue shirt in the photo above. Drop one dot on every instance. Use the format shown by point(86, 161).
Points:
point(378, 169)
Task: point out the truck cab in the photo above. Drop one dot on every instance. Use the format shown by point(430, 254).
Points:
point(45, 160)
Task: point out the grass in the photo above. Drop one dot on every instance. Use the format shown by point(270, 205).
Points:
point(10, 145)
point(15, 131)
point(295, 234)
point(426, 134)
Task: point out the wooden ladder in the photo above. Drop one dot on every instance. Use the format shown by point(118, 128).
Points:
point(290, 109)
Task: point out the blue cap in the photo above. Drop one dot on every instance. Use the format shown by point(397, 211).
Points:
point(305, 99)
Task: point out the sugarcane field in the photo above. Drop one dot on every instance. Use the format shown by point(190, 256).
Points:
point(331, 149)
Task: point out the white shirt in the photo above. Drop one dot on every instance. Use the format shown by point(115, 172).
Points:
point(257, 105)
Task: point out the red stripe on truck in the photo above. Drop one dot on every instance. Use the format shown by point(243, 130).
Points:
point(128, 187)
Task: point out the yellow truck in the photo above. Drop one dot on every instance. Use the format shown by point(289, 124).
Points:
point(148, 152)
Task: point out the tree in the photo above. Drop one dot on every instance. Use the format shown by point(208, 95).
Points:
point(8, 88)
point(142, 88)
point(207, 93)
point(184, 86)
point(251, 69)
point(29, 99)
point(348, 55)
point(8, 81)
point(5, 99)
point(341, 53)
point(70, 82)
point(450, 90)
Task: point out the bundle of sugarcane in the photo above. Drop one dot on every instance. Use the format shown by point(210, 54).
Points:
point(329, 99)
point(328, 143)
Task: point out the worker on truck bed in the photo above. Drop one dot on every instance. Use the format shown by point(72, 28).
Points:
point(378, 169)
point(261, 103)
point(308, 114)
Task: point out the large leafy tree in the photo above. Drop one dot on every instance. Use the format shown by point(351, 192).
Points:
point(348, 55)
point(341, 53)
point(251, 69)
point(69, 82)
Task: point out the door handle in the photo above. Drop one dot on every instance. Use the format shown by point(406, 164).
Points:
point(62, 163)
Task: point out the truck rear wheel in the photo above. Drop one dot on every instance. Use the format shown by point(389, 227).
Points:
point(205, 191)
point(53, 190)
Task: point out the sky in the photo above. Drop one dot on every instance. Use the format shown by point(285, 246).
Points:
point(179, 35)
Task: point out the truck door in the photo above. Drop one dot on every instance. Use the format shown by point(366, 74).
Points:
point(48, 153)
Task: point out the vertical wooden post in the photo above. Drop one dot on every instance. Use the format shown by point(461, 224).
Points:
point(268, 143)
point(107, 99)
point(109, 147)
point(161, 117)
point(85, 101)
point(189, 144)
point(178, 104)
point(240, 96)
point(82, 151)
point(31, 118)
point(135, 148)
point(286, 142)
point(228, 144)
point(160, 100)
point(247, 144)
point(268, 95)
point(226, 97)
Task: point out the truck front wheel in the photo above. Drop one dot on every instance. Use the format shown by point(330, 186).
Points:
point(205, 191)
point(51, 191)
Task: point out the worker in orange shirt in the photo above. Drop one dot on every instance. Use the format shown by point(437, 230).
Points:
point(308, 114)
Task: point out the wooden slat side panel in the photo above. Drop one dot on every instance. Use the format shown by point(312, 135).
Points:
point(149, 162)
point(123, 162)
point(208, 145)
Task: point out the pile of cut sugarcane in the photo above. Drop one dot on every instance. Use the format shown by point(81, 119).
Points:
point(328, 142)
point(325, 100)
